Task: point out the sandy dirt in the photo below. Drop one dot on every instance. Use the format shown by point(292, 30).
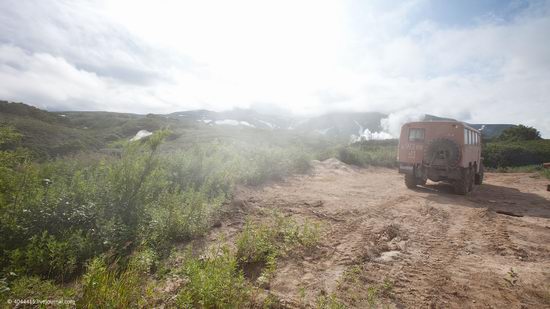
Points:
point(384, 245)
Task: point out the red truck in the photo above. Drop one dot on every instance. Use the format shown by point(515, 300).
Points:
point(447, 151)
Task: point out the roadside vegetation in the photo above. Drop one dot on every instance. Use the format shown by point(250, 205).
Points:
point(373, 152)
point(88, 226)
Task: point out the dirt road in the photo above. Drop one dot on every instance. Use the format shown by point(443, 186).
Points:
point(386, 246)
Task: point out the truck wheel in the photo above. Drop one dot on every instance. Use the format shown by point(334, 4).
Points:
point(471, 179)
point(479, 176)
point(462, 185)
point(410, 181)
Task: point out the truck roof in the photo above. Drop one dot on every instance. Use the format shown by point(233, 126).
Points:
point(442, 122)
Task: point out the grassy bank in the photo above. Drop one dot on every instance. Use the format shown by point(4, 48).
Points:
point(88, 227)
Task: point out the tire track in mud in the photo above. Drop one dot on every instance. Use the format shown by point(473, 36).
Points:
point(424, 274)
point(447, 251)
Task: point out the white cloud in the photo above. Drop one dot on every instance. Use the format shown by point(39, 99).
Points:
point(305, 57)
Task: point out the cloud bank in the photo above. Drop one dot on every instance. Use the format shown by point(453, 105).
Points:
point(479, 63)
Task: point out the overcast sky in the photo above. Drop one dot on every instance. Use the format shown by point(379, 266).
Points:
point(483, 61)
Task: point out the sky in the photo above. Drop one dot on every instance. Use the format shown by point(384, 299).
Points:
point(481, 61)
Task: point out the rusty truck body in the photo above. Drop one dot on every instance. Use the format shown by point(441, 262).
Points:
point(447, 151)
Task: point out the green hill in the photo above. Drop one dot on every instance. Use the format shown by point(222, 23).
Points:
point(52, 134)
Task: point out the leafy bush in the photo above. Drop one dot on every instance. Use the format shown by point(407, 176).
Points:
point(89, 213)
point(214, 281)
point(43, 220)
point(50, 257)
point(519, 133)
point(179, 216)
point(257, 243)
point(506, 154)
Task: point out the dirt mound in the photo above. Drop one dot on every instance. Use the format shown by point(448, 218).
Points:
point(332, 165)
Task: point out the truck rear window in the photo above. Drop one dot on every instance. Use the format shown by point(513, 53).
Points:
point(416, 134)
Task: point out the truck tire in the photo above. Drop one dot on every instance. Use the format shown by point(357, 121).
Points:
point(462, 185)
point(471, 178)
point(410, 181)
point(443, 152)
point(479, 176)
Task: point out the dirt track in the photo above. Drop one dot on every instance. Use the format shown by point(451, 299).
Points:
point(431, 247)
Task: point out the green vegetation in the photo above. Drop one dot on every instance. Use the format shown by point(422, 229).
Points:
point(108, 287)
point(36, 288)
point(329, 302)
point(214, 282)
point(518, 153)
point(89, 218)
point(523, 169)
point(96, 226)
point(516, 147)
point(263, 243)
point(218, 279)
point(374, 152)
point(351, 288)
point(519, 133)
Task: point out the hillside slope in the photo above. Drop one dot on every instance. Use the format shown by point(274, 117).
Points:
point(51, 134)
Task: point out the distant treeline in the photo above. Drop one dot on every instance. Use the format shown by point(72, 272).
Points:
point(516, 146)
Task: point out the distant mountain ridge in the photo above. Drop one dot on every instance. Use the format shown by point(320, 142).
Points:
point(58, 133)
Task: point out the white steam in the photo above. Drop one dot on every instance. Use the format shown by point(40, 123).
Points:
point(367, 135)
point(393, 123)
point(391, 126)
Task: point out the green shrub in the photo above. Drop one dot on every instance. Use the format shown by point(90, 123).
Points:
point(214, 281)
point(42, 222)
point(257, 243)
point(109, 287)
point(263, 243)
point(519, 133)
point(520, 153)
point(57, 216)
point(50, 257)
point(179, 216)
point(376, 153)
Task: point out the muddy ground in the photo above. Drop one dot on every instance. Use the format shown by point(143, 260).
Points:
point(383, 245)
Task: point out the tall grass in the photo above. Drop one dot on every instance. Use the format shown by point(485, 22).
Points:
point(523, 169)
point(214, 281)
point(376, 153)
point(87, 214)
